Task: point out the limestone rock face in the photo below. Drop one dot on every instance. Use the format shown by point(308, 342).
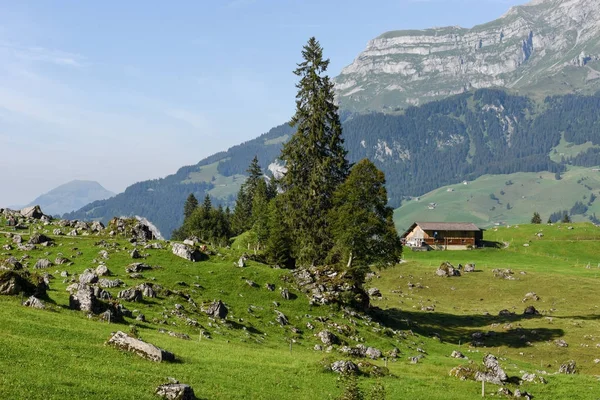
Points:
point(176, 391)
point(122, 341)
point(536, 42)
point(186, 252)
point(494, 374)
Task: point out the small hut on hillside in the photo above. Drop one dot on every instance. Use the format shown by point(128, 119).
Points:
point(443, 235)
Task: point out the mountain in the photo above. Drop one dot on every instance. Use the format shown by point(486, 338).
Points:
point(71, 196)
point(542, 48)
point(439, 143)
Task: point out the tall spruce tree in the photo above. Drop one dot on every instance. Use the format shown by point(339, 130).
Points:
point(315, 158)
point(241, 219)
point(536, 219)
point(190, 205)
point(362, 223)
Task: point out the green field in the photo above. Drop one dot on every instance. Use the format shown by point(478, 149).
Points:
point(58, 353)
point(517, 197)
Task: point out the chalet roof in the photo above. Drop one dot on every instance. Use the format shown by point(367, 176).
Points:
point(447, 226)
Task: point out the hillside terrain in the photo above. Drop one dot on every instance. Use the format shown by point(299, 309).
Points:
point(248, 353)
point(508, 199)
point(440, 143)
point(545, 47)
point(70, 197)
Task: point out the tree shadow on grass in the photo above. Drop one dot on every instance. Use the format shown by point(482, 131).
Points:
point(488, 244)
point(251, 329)
point(459, 329)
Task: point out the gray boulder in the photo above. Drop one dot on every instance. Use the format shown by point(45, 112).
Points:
point(34, 302)
point(281, 318)
point(344, 367)
point(374, 292)
point(137, 267)
point(83, 299)
point(373, 353)
point(175, 391)
point(124, 342)
point(131, 294)
point(447, 270)
point(108, 283)
point(568, 368)
point(88, 276)
point(147, 290)
point(42, 263)
point(102, 270)
point(469, 268)
point(241, 262)
point(217, 309)
point(494, 373)
point(285, 294)
point(34, 212)
point(186, 252)
point(135, 254)
point(38, 238)
point(328, 338)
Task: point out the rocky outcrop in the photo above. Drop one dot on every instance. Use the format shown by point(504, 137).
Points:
point(494, 373)
point(175, 391)
point(217, 309)
point(525, 46)
point(186, 252)
point(125, 342)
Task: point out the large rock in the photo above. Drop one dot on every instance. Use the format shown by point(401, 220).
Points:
point(175, 391)
point(16, 282)
point(34, 212)
point(42, 263)
point(131, 294)
point(469, 268)
point(217, 309)
point(38, 238)
point(108, 283)
point(494, 373)
point(125, 342)
point(88, 276)
point(568, 368)
point(147, 290)
point(328, 338)
point(83, 299)
point(344, 367)
point(102, 270)
point(137, 267)
point(186, 252)
point(447, 270)
point(373, 353)
point(34, 302)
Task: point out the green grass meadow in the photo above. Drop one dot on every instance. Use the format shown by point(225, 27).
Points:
point(58, 353)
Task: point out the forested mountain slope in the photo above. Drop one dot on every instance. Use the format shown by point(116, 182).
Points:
point(439, 143)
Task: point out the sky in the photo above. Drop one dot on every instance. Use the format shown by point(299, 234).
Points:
point(123, 91)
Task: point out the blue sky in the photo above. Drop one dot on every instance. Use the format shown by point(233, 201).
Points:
point(123, 91)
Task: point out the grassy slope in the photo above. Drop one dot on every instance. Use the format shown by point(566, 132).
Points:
point(58, 353)
point(224, 186)
point(528, 193)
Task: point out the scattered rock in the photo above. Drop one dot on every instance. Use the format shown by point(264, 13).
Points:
point(530, 310)
point(242, 262)
point(186, 252)
point(344, 367)
point(147, 290)
point(374, 292)
point(519, 394)
point(531, 296)
point(88, 276)
point(561, 343)
point(494, 373)
point(469, 268)
point(281, 318)
point(34, 302)
point(103, 254)
point(135, 254)
point(503, 273)
point(373, 353)
point(83, 299)
point(131, 294)
point(217, 309)
point(533, 378)
point(34, 212)
point(107, 283)
point(125, 342)
point(42, 263)
point(447, 270)
point(328, 338)
point(137, 267)
point(176, 391)
point(102, 270)
point(61, 260)
point(270, 287)
point(457, 354)
point(503, 391)
point(505, 313)
point(251, 283)
point(285, 294)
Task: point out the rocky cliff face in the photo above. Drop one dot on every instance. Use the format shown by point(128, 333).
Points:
point(543, 47)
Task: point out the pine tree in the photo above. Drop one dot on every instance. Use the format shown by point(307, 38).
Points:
point(190, 205)
point(315, 158)
point(278, 246)
point(536, 219)
point(362, 223)
point(207, 204)
point(260, 215)
point(241, 219)
point(566, 219)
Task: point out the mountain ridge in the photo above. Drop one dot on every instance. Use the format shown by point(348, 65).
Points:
point(540, 48)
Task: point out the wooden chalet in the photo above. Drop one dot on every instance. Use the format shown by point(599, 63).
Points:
point(443, 235)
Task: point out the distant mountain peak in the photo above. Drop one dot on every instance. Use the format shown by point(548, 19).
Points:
point(540, 48)
point(71, 196)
